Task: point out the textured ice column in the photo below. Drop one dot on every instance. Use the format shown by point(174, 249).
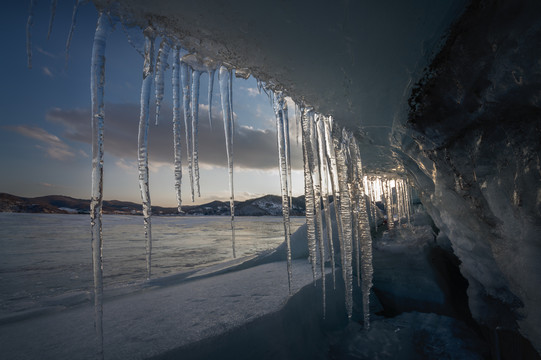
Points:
point(148, 70)
point(196, 75)
point(210, 70)
point(185, 78)
point(224, 78)
point(161, 66)
point(309, 188)
point(363, 225)
point(282, 155)
point(316, 176)
point(177, 134)
point(72, 27)
point(288, 153)
point(345, 217)
point(29, 24)
point(324, 175)
point(51, 20)
point(97, 83)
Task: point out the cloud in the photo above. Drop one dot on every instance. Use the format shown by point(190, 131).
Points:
point(50, 144)
point(253, 148)
point(47, 72)
point(252, 92)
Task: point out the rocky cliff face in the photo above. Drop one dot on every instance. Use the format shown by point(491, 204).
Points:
point(472, 146)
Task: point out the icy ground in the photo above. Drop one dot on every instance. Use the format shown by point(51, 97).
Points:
point(242, 310)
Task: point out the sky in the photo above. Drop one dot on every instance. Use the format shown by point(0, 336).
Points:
point(45, 134)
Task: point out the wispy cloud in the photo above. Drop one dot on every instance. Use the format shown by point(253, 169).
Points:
point(47, 71)
point(49, 143)
point(251, 91)
point(46, 53)
point(253, 148)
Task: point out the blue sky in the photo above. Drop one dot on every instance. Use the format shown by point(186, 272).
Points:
point(45, 124)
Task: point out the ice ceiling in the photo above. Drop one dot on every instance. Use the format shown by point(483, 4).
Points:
point(354, 60)
point(468, 138)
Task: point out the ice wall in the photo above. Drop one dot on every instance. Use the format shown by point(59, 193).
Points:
point(472, 146)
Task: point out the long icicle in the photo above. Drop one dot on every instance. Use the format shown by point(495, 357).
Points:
point(72, 28)
point(210, 92)
point(29, 24)
point(97, 84)
point(278, 102)
point(196, 75)
point(224, 78)
point(324, 173)
point(309, 187)
point(364, 232)
point(51, 20)
point(317, 195)
point(161, 66)
point(288, 154)
point(148, 70)
point(185, 77)
point(345, 217)
point(177, 133)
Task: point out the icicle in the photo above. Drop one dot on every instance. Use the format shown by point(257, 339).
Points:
point(51, 21)
point(282, 155)
point(316, 176)
point(363, 226)
point(177, 135)
point(324, 175)
point(345, 217)
point(97, 83)
point(161, 66)
point(287, 153)
point(72, 28)
point(224, 78)
point(309, 188)
point(148, 69)
point(196, 75)
point(29, 24)
point(185, 76)
point(210, 91)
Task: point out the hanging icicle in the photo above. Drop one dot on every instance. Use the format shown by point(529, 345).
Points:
point(185, 77)
point(161, 66)
point(97, 84)
point(196, 74)
point(148, 70)
point(72, 28)
point(29, 24)
point(224, 78)
point(308, 156)
point(280, 113)
point(177, 134)
point(51, 20)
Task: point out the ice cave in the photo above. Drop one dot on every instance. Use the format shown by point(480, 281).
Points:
point(421, 128)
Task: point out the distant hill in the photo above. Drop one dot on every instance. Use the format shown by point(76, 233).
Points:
point(59, 204)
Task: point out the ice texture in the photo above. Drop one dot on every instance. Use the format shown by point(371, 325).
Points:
point(72, 27)
point(97, 84)
point(224, 78)
point(280, 111)
point(177, 132)
point(161, 66)
point(142, 159)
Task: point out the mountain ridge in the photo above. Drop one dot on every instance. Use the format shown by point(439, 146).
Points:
point(267, 205)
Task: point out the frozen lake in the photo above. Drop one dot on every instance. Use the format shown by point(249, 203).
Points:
point(48, 257)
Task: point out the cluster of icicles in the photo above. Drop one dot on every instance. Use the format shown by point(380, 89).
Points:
point(332, 164)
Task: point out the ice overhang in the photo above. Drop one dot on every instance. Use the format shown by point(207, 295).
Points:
point(355, 60)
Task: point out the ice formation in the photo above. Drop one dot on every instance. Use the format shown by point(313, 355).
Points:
point(97, 82)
